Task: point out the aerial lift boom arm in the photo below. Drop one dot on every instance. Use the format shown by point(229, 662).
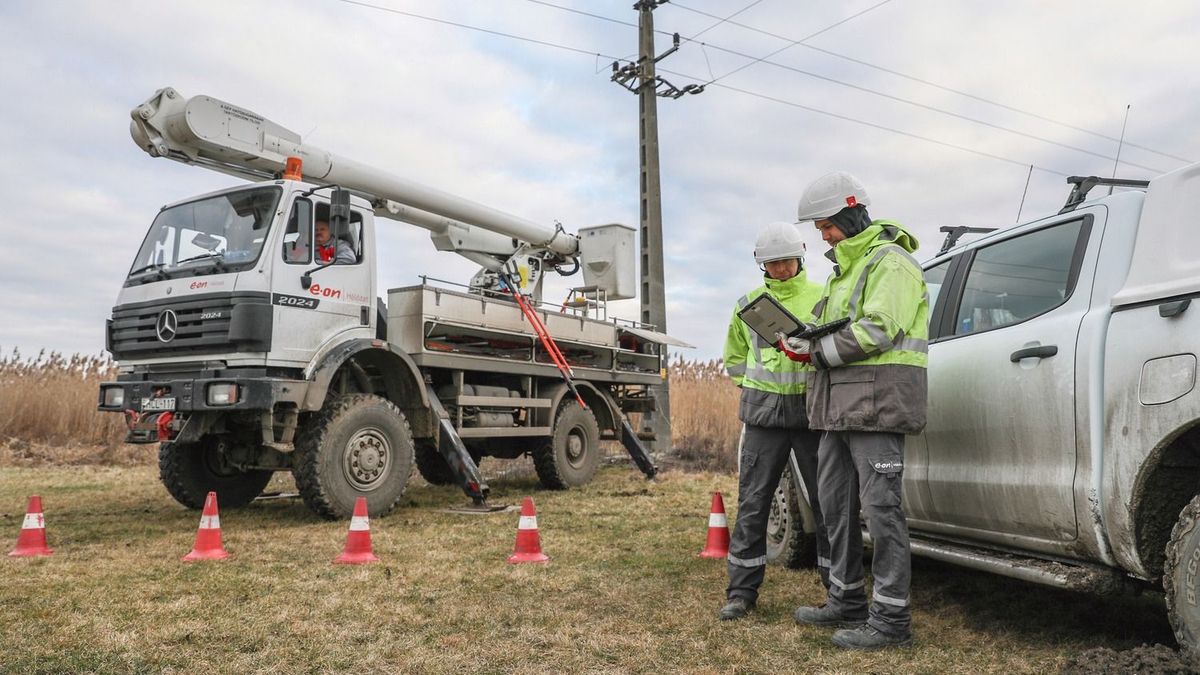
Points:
point(217, 135)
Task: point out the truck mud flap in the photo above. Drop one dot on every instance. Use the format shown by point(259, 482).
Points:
point(636, 450)
point(456, 455)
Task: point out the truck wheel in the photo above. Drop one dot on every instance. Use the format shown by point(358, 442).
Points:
point(572, 454)
point(191, 470)
point(358, 445)
point(433, 466)
point(1181, 576)
point(791, 528)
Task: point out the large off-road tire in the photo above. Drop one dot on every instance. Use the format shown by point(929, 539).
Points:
point(791, 527)
point(433, 466)
point(572, 454)
point(191, 470)
point(1181, 578)
point(358, 445)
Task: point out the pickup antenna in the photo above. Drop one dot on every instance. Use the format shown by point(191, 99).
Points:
point(1022, 206)
point(1119, 144)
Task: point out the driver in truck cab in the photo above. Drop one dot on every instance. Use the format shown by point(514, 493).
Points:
point(329, 250)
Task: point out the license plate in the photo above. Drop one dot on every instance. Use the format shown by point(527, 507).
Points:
point(149, 404)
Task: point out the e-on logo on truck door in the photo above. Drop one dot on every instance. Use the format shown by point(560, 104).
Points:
point(325, 291)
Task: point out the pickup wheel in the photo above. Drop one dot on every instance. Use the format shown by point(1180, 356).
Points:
point(1181, 576)
point(572, 454)
point(358, 445)
point(191, 470)
point(433, 466)
point(791, 529)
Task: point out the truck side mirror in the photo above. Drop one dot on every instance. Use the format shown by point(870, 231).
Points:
point(339, 212)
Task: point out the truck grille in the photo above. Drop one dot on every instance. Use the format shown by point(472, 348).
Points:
point(201, 326)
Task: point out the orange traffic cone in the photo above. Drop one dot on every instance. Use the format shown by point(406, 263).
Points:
point(31, 542)
point(358, 540)
point(208, 537)
point(717, 545)
point(528, 548)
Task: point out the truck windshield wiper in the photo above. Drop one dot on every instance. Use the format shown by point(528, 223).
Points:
point(157, 268)
point(217, 257)
point(152, 266)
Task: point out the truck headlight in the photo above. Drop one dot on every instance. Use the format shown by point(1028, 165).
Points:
point(114, 397)
point(222, 393)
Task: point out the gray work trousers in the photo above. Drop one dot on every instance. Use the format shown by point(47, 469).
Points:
point(865, 467)
point(765, 452)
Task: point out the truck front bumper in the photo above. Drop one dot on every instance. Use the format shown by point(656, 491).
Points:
point(154, 408)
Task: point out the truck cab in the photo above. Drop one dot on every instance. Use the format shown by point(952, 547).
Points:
point(225, 273)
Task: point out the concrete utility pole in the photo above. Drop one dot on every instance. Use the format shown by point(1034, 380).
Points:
point(640, 78)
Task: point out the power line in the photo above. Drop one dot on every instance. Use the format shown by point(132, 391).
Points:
point(867, 90)
point(935, 85)
point(596, 16)
point(766, 97)
point(477, 29)
point(882, 127)
point(793, 43)
point(917, 104)
point(726, 19)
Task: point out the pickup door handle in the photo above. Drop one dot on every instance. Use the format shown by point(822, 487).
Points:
point(1034, 353)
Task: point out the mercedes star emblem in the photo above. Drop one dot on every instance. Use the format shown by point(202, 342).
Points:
point(167, 326)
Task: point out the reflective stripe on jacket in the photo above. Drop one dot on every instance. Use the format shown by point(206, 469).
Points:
point(773, 385)
point(871, 374)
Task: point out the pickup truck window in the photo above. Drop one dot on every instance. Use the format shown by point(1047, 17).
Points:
point(935, 277)
point(1019, 278)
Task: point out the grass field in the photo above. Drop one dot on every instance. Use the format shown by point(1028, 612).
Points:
point(624, 591)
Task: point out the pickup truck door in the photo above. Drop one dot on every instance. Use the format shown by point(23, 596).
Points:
point(916, 499)
point(1000, 441)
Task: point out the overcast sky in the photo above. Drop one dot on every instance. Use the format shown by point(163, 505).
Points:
point(939, 106)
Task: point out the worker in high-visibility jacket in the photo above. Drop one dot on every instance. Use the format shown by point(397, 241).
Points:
point(869, 389)
point(772, 410)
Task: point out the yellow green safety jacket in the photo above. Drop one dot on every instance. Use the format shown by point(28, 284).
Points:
point(871, 374)
point(772, 385)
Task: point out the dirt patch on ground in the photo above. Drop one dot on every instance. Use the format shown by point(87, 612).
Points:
point(20, 452)
point(1157, 659)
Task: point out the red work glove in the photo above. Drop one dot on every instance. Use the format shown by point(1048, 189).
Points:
point(803, 355)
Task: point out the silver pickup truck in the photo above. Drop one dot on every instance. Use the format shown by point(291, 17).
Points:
point(1063, 444)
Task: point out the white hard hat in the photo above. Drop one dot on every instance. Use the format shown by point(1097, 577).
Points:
point(831, 193)
point(779, 241)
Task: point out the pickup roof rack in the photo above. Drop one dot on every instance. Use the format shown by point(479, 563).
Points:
point(1084, 184)
point(954, 232)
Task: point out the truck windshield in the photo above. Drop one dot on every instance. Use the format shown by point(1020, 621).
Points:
point(218, 234)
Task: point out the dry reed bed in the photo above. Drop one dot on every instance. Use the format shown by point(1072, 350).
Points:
point(48, 413)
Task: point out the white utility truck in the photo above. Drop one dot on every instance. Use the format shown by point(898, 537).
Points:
point(250, 339)
point(1063, 440)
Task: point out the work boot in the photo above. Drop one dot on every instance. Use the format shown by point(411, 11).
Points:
point(737, 608)
point(866, 638)
point(825, 616)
